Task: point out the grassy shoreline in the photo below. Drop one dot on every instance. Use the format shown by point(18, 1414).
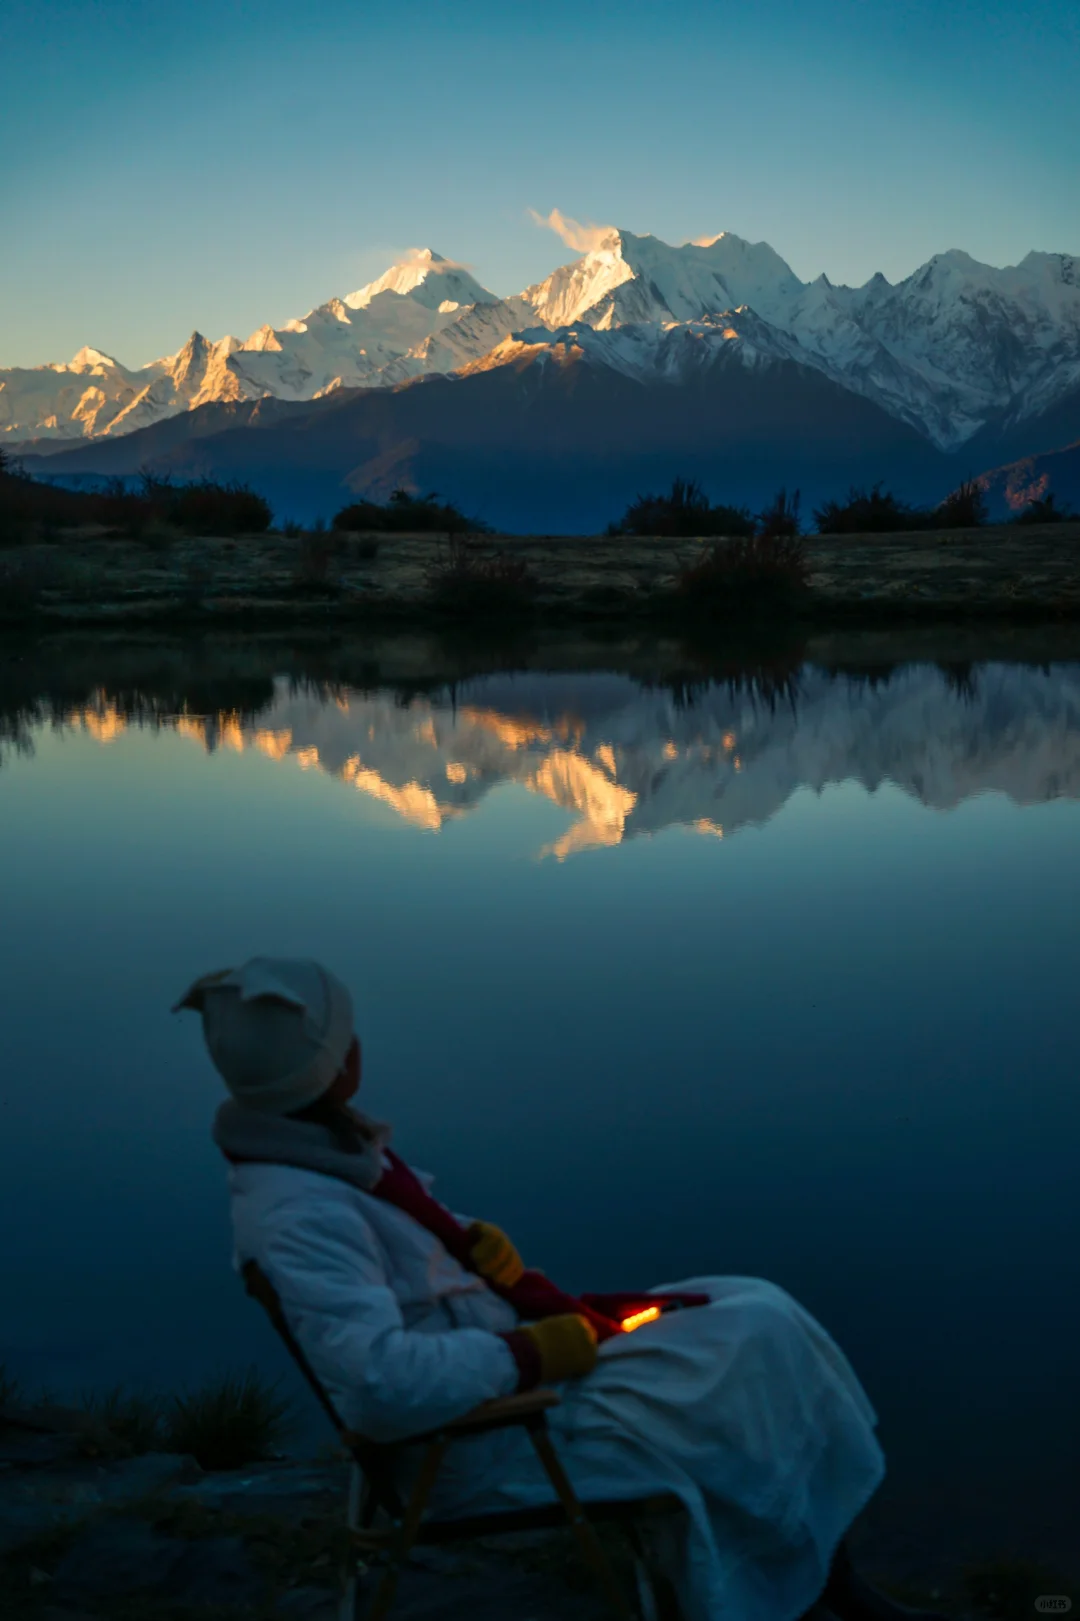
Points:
point(90, 578)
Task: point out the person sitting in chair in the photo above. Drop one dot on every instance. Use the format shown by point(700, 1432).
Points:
point(739, 1402)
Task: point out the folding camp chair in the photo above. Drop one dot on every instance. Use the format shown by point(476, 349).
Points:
point(372, 1490)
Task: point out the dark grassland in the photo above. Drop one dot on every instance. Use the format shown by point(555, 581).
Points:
point(205, 552)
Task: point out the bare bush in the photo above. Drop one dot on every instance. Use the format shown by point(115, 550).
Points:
point(965, 508)
point(780, 519)
point(316, 552)
point(471, 581)
point(684, 511)
point(867, 512)
point(752, 577)
point(408, 514)
point(1044, 509)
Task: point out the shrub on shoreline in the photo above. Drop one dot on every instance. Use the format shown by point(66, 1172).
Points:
point(1045, 509)
point(408, 514)
point(684, 512)
point(879, 512)
point(200, 507)
point(780, 519)
point(753, 577)
point(316, 551)
point(32, 509)
point(867, 512)
point(964, 508)
point(471, 582)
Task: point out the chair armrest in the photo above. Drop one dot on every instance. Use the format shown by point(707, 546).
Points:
point(505, 1410)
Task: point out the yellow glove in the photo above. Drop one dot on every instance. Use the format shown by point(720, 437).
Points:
point(493, 1255)
point(567, 1346)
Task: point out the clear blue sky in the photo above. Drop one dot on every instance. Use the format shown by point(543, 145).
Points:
point(220, 163)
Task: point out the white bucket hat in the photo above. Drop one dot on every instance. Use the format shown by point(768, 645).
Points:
point(276, 1029)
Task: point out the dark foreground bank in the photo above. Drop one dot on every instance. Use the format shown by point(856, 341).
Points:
point(87, 577)
point(92, 1530)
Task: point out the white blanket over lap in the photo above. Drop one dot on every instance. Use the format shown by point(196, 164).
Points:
point(745, 1407)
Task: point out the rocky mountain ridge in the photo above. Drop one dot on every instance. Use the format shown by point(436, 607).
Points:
point(956, 350)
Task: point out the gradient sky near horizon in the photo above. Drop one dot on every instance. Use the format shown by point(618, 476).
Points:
point(222, 163)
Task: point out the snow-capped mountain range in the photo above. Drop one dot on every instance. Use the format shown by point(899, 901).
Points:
point(955, 348)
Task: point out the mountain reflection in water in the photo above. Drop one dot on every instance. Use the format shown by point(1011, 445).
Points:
point(627, 759)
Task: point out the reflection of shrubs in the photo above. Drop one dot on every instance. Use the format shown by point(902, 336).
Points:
point(961, 678)
point(468, 581)
point(867, 512)
point(965, 508)
point(752, 577)
point(1045, 510)
point(408, 514)
point(684, 511)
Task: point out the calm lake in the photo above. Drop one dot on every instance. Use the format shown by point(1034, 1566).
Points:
point(767, 973)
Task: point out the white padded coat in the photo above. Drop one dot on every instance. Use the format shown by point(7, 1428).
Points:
point(745, 1408)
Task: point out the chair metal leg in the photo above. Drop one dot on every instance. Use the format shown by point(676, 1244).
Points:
point(347, 1611)
point(646, 1592)
point(405, 1533)
point(584, 1530)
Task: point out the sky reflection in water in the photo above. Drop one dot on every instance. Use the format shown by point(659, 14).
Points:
point(663, 988)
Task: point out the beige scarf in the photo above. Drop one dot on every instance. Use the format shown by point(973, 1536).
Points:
point(249, 1134)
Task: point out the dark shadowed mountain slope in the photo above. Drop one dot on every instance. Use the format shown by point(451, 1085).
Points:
point(542, 444)
point(1008, 440)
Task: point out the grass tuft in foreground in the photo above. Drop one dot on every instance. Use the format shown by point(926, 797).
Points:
point(134, 1417)
point(233, 1421)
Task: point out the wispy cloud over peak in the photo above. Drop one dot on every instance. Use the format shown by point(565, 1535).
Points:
point(580, 235)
